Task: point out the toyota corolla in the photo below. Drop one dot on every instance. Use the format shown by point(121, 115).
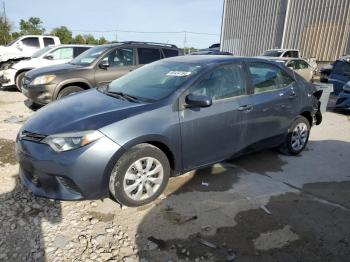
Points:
point(126, 139)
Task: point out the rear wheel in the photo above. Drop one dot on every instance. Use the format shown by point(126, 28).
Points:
point(19, 80)
point(297, 138)
point(69, 90)
point(140, 175)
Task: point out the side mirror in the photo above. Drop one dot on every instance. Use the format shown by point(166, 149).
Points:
point(198, 101)
point(103, 65)
point(49, 57)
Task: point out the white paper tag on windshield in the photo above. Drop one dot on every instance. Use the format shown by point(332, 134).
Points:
point(178, 73)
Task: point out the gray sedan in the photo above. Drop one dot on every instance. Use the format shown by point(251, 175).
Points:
point(126, 139)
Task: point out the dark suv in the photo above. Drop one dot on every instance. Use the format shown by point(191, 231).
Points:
point(163, 120)
point(96, 67)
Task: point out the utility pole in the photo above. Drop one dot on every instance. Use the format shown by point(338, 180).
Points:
point(5, 21)
point(185, 42)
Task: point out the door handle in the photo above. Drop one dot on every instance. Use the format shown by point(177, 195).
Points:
point(247, 108)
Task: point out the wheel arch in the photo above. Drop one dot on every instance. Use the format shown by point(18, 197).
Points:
point(72, 82)
point(22, 71)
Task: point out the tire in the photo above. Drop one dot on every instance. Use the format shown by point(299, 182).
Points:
point(19, 80)
point(123, 184)
point(296, 141)
point(69, 90)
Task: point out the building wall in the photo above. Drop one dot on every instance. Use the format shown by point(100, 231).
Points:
point(319, 28)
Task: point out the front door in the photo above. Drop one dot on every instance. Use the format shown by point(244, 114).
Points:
point(120, 62)
point(274, 103)
point(211, 134)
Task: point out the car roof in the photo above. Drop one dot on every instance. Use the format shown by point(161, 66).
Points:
point(283, 50)
point(74, 45)
point(215, 59)
point(137, 43)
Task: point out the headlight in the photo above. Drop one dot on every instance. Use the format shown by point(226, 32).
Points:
point(43, 80)
point(69, 141)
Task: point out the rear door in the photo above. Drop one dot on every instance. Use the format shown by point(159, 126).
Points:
point(211, 134)
point(121, 61)
point(274, 104)
point(148, 55)
point(340, 75)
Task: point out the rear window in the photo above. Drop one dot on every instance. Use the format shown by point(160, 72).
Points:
point(31, 41)
point(170, 52)
point(48, 41)
point(148, 55)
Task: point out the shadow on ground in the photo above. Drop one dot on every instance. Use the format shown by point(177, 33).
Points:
point(310, 223)
point(22, 216)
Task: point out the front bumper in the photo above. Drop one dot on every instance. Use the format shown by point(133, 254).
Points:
point(343, 100)
point(40, 94)
point(77, 174)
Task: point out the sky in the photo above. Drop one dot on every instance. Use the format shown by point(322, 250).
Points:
point(202, 16)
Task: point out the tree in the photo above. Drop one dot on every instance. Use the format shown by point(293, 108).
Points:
point(102, 41)
point(5, 28)
point(90, 40)
point(79, 39)
point(31, 27)
point(63, 33)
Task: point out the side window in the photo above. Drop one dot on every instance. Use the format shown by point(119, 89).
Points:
point(48, 41)
point(170, 52)
point(267, 77)
point(120, 57)
point(31, 42)
point(294, 54)
point(148, 55)
point(303, 64)
point(78, 50)
point(287, 54)
point(62, 53)
point(292, 64)
point(224, 82)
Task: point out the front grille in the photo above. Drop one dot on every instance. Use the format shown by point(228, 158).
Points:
point(69, 185)
point(26, 82)
point(347, 91)
point(26, 135)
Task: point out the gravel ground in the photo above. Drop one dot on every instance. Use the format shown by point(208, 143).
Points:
point(260, 207)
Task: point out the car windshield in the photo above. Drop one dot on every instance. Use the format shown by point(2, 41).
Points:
point(155, 81)
point(41, 51)
point(89, 56)
point(273, 53)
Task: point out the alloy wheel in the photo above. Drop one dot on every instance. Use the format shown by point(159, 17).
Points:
point(299, 136)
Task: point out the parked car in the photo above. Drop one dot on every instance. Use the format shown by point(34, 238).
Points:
point(164, 119)
point(96, 67)
point(343, 100)
point(50, 55)
point(300, 66)
point(282, 53)
point(340, 74)
point(24, 47)
point(289, 53)
point(210, 52)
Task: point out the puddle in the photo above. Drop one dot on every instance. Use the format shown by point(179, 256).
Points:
point(7, 152)
point(104, 217)
point(214, 178)
point(300, 228)
point(261, 162)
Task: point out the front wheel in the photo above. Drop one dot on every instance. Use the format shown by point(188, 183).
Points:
point(19, 81)
point(297, 137)
point(69, 90)
point(140, 175)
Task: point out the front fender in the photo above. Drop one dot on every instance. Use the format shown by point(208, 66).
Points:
point(71, 81)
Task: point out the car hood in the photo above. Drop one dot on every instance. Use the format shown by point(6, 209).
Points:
point(9, 52)
point(54, 69)
point(88, 110)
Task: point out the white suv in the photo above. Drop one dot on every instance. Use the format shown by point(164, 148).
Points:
point(50, 55)
point(25, 46)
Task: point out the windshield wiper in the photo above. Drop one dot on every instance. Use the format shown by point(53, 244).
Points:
point(123, 95)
